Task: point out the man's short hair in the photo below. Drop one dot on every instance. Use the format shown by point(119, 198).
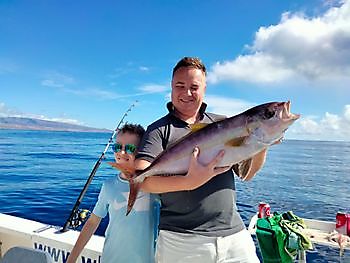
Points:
point(190, 62)
point(136, 129)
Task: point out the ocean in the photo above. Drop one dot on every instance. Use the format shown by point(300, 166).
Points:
point(43, 172)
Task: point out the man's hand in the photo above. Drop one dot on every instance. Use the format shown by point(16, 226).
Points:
point(199, 174)
point(196, 176)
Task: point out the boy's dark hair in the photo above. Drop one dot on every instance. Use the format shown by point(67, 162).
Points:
point(133, 129)
point(190, 62)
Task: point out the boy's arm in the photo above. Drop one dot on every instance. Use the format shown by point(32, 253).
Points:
point(87, 231)
point(196, 176)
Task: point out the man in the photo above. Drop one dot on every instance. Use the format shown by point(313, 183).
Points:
point(199, 221)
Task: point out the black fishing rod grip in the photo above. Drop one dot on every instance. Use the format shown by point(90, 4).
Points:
point(81, 195)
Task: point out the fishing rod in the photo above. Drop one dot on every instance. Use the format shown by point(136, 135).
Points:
point(77, 216)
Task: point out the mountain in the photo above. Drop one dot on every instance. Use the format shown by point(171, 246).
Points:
point(36, 124)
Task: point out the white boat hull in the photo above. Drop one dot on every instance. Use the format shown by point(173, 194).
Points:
point(16, 231)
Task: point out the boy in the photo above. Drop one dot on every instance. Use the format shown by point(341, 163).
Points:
point(128, 238)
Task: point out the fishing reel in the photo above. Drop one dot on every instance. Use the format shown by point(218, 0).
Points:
point(79, 217)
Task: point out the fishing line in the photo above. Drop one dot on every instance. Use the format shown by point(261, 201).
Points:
point(78, 216)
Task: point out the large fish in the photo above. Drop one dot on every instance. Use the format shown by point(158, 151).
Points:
point(241, 137)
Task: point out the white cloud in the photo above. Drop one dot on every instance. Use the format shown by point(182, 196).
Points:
point(298, 48)
point(227, 106)
point(6, 111)
point(65, 120)
point(9, 112)
point(256, 68)
point(332, 121)
point(103, 94)
point(57, 80)
point(129, 68)
point(154, 88)
point(98, 93)
point(143, 68)
point(347, 113)
point(51, 83)
point(308, 125)
point(329, 127)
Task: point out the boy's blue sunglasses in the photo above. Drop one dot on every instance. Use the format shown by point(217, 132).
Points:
point(128, 148)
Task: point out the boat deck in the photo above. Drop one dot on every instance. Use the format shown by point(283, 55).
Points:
point(320, 232)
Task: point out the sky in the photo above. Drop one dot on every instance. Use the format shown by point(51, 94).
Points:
point(85, 62)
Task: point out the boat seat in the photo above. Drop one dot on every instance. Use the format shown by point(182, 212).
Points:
point(26, 255)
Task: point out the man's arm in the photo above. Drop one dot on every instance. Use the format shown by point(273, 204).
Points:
point(196, 176)
point(258, 161)
point(88, 230)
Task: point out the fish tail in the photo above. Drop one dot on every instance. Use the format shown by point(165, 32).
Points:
point(134, 190)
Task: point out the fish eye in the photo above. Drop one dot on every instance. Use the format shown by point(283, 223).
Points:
point(268, 114)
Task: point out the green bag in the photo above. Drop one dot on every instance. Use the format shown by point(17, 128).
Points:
point(280, 237)
point(271, 238)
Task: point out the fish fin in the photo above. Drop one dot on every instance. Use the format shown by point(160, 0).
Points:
point(235, 142)
point(242, 168)
point(197, 126)
point(128, 171)
point(134, 190)
point(136, 178)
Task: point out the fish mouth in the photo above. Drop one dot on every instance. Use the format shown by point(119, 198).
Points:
point(285, 113)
